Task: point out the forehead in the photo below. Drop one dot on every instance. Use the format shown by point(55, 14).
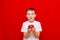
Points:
point(30, 11)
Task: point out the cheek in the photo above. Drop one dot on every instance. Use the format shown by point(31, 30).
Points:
point(27, 16)
point(33, 16)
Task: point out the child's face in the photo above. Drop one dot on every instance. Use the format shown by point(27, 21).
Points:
point(31, 15)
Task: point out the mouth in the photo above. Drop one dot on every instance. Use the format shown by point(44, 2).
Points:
point(30, 18)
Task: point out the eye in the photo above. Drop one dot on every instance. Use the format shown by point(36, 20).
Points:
point(28, 14)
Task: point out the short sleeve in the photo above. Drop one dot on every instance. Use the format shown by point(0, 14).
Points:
point(23, 29)
point(38, 28)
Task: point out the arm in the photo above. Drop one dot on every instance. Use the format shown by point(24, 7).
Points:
point(36, 34)
point(39, 29)
point(26, 34)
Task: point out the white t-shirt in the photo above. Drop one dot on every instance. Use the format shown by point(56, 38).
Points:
point(37, 27)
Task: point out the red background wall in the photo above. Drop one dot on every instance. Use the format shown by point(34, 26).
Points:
point(13, 14)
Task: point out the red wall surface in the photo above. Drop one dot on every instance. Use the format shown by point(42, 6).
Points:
point(13, 14)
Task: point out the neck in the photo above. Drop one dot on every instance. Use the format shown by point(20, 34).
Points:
point(31, 21)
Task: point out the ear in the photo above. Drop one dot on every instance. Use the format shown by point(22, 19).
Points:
point(35, 15)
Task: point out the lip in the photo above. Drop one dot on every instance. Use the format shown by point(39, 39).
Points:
point(30, 18)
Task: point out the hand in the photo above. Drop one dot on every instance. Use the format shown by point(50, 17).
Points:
point(33, 29)
point(29, 30)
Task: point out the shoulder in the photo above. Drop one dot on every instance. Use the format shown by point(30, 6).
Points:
point(37, 22)
point(25, 22)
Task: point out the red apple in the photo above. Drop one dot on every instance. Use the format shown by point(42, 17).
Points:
point(31, 26)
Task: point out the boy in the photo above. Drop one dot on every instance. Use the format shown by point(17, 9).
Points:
point(31, 28)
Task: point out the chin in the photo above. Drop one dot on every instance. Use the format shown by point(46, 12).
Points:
point(31, 20)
